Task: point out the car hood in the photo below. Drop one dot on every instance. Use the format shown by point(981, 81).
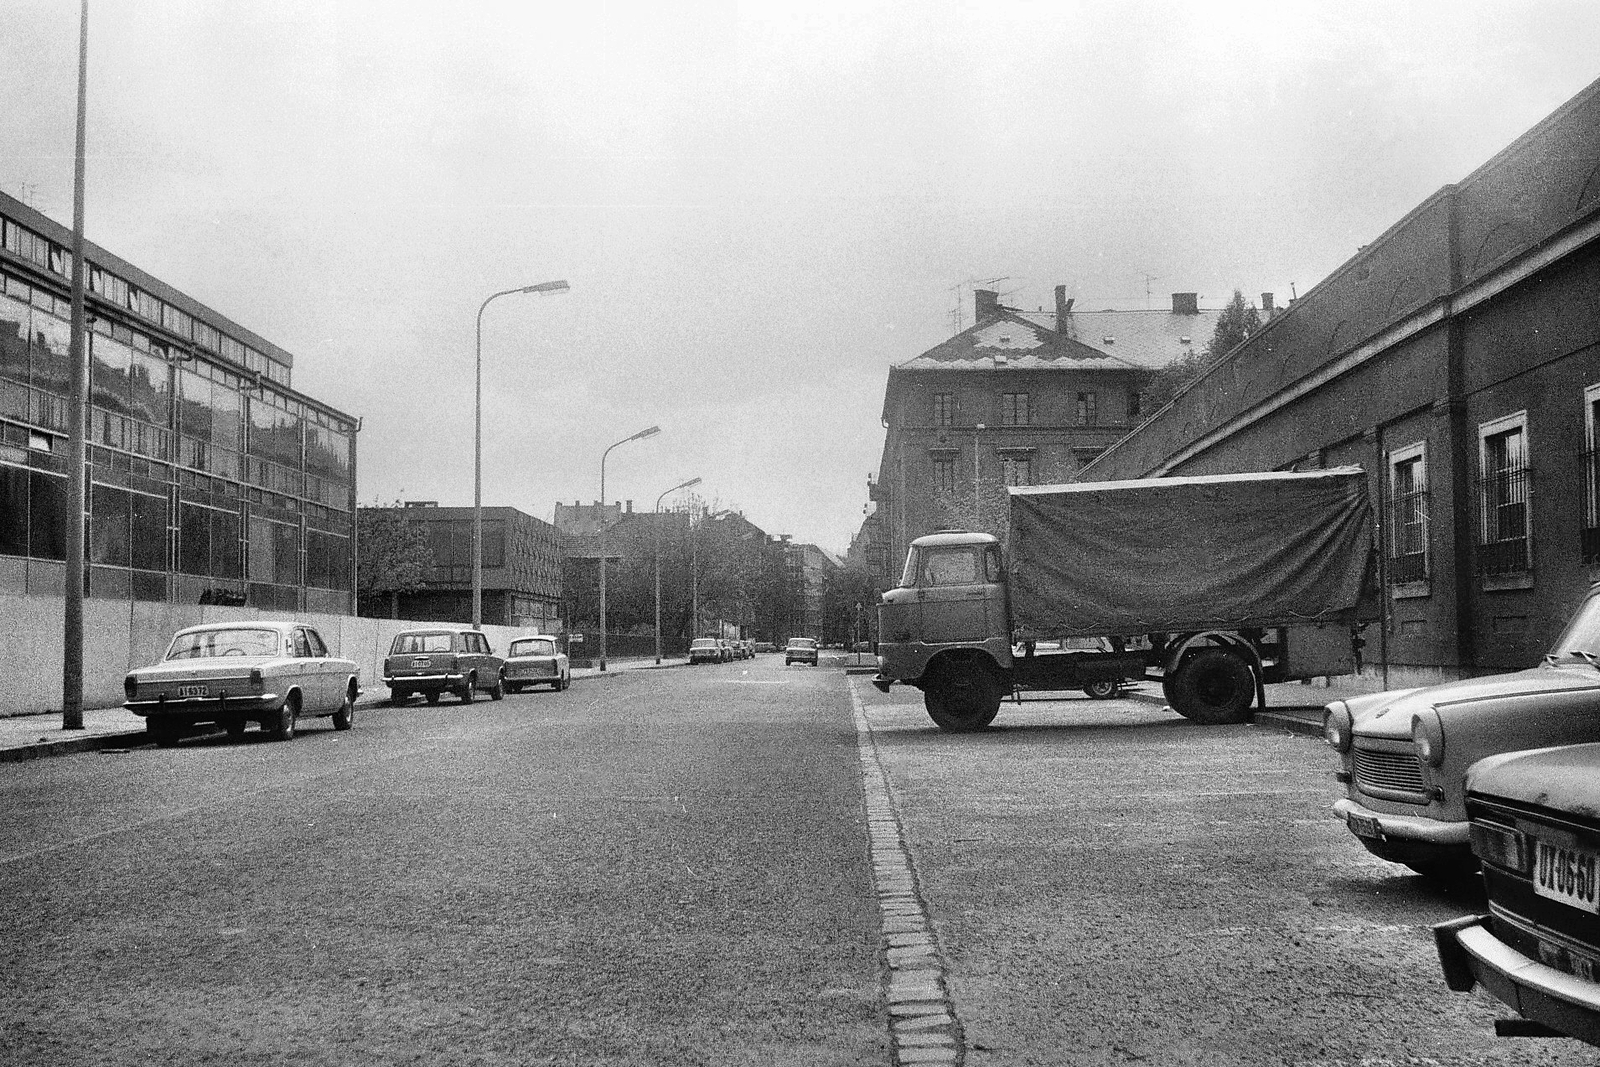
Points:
point(1388, 715)
point(1566, 778)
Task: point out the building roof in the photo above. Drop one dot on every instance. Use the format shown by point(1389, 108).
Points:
point(1147, 339)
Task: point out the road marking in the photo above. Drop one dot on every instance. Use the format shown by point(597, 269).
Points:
point(920, 1008)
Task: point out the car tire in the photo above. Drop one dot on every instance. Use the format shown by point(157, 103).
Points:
point(1101, 690)
point(499, 690)
point(431, 696)
point(234, 727)
point(513, 688)
point(283, 725)
point(164, 734)
point(345, 717)
point(467, 691)
point(398, 696)
point(1214, 687)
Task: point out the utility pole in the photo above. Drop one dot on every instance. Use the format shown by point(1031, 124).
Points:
point(77, 379)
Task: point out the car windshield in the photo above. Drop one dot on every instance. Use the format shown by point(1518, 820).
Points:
point(533, 647)
point(702, 642)
point(415, 643)
point(203, 644)
point(802, 642)
point(1581, 638)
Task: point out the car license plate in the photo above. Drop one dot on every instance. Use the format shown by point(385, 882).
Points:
point(1364, 826)
point(193, 691)
point(420, 661)
point(1567, 875)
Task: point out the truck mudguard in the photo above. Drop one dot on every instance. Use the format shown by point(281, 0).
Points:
point(1221, 552)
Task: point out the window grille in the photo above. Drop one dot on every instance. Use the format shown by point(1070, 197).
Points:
point(1591, 506)
point(1016, 409)
point(944, 409)
point(1503, 493)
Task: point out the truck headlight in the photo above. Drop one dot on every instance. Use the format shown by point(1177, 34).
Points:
point(1336, 726)
point(1427, 733)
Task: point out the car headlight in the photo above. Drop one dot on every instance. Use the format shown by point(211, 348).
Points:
point(130, 686)
point(1427, 733)
point(1336, 726)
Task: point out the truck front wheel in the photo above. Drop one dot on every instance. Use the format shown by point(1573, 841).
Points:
point(1213, 687)
point(962, 698)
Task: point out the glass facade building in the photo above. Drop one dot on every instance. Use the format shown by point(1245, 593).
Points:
point(209, 479)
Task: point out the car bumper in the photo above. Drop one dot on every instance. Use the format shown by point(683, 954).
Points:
point(205, 709)
point(1404, 838)
point(1470, 954)
point(422, 682)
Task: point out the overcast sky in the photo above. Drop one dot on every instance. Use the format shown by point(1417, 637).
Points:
point(759, 206)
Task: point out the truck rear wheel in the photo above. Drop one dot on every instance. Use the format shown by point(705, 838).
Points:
point(1213, 687)
point(962, 699)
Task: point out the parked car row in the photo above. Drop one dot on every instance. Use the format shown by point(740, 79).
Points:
point(1499, 774)
point(720, 649)
point(276, 673)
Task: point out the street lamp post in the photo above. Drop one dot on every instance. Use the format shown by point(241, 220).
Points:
point(674, 489)
point(477, 446)
point(72, 593)
point(641, 435)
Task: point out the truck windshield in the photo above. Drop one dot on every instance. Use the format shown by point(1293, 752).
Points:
point(948, 566)
point(1581, 639)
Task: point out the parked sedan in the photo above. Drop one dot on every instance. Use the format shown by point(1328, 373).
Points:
point(236, 673)
point(800, 650)
point(437, 661)
point(705, 650)
point(1534, 829)
point(536, 661)
point(1406, 753)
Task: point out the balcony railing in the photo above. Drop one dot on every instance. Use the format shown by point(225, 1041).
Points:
point(1503, 522)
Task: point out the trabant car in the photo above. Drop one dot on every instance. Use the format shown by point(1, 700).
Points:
point(437, 661)
point(705, 650)
point(1406, 753)
point(236, 673)
point(536, 661)
point(800, 650)
point(1534, 830)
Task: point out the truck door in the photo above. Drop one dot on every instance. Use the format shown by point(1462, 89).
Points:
point(954, 595)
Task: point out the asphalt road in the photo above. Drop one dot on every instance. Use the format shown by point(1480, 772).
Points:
point(657, 867)
point(1111, 884)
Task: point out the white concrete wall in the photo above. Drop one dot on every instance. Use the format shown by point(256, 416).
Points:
point(119, 635)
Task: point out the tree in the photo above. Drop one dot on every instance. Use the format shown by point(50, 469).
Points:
point(1237, 323)
point(393, 556)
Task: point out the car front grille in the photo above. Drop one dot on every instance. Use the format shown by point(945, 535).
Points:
point(1397, 772)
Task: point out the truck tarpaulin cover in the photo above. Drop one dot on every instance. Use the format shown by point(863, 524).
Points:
point(1184, 554)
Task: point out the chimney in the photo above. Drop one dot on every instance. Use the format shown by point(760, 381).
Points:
point(1063, 309)
point(630, 507)
point(1186, 303)
point(1266, 304)
point(985, 304)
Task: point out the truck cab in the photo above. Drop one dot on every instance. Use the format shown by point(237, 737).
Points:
point(951, 598)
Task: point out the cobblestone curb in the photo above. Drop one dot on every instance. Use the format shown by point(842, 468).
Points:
point(922, 1020)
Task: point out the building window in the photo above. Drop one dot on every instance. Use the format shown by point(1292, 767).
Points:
point(1504, 527)
point(1591, 475)
point(1408, 511)
point(944, 409)
point(944, 473)
point(1088, 409)
point(1017, 468)
point(1016, 409)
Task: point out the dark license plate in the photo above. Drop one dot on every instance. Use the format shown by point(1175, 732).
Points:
point(1563, 960)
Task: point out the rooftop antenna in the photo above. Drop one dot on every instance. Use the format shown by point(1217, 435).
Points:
point(1148, 278)
point(958, 316)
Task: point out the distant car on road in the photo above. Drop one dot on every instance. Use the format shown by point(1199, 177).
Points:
point(1534, 830)
point(765, 646)
point(437, 661)
point(705, 650)
point(800, 650)
point(236, 673)
point(535, 661)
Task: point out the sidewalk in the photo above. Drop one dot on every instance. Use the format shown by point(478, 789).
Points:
point(25, 737)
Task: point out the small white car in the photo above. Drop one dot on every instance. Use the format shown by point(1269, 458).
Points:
point(536, 661)
point(236, 673)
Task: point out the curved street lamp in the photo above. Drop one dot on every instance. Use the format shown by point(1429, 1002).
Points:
point(477, 447)
point(674, 489)
point(650, 431)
